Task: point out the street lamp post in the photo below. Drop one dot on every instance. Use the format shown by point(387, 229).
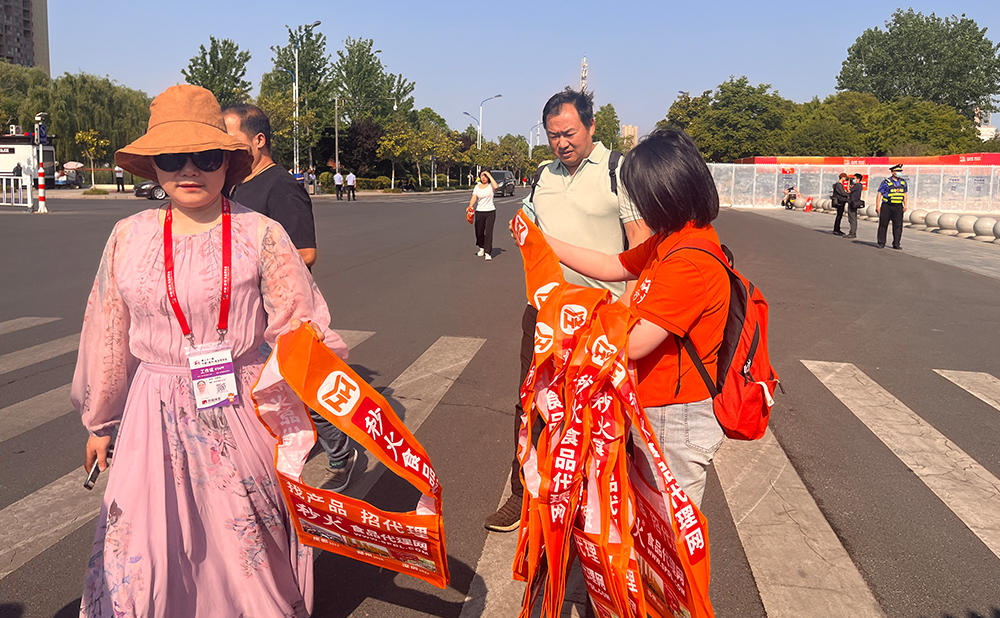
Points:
point(479, 141)
point(535, 129)
point(295, 93)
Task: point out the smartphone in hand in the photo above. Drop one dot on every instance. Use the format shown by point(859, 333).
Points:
point(95, 471)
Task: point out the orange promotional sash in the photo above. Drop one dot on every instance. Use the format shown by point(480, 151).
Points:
point(642, 545)
point(303, 372)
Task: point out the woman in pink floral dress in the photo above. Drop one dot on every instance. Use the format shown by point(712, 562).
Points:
point(193, 523)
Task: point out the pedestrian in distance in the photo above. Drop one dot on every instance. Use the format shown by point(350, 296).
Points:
point(120, 178)
point(486, 213)
point(338, 182)
point(273, 193)
point(575, 198)
point(352, 183)
point(682, 295)
point(789, 196)
point(839, 199)
point(854, 204)
point(193, 521)
point(890, 204)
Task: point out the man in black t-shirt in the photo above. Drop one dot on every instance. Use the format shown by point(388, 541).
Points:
point(273, 192)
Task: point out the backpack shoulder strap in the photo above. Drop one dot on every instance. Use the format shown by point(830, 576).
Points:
point(535, 179)
point(613, 160)
point(720, 253)
point(696, 358)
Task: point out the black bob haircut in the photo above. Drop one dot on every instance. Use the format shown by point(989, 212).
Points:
point(253, 121)
point(582, 101)
point(669, 183)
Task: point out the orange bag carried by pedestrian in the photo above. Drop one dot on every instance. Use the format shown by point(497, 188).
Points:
point(470, 214)
point(302, 371)
point(642, 545)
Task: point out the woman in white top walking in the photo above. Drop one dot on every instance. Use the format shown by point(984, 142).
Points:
point(486, 213)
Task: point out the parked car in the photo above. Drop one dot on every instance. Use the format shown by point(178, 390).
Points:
point(151, 190)
point(505, 182)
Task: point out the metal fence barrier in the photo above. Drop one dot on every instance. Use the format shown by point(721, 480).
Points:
point(967, 189)
point(14, 192)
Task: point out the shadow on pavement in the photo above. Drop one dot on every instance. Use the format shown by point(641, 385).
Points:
point(11, 610)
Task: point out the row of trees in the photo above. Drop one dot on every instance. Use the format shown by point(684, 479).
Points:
point(912, 89)
point(75, 103)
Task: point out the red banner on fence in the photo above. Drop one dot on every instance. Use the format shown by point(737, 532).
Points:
point(302, 371)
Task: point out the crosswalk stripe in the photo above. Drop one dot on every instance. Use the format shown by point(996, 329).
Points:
point(983, 385)
point(40, 520)
point(41, 352)
point(30, 413)
point(413, 395)
point(354, 338)
point(800, 566)
point(17, 324)
point(965, 486)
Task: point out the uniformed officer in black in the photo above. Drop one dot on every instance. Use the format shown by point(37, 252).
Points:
point(890, 204)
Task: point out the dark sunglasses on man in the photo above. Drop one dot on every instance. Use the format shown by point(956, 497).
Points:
point(206, 161)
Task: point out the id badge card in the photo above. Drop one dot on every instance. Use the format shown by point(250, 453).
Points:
point(213, 380)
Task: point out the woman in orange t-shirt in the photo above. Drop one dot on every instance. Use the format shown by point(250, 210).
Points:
point(680, 295)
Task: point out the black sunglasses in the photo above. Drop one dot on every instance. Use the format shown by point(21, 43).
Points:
point(206, 161)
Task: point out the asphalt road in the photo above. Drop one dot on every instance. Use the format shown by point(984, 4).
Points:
point(403, 267)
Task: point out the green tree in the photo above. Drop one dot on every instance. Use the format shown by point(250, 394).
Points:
point(684, 110)
point(221, 69)
point(16, 82)
point(915, 127)
point(742, 121)
point(315, 89)
point(428, 118)
point(947, 61)
point(607, 128)
point(93, 146)
point(367, 91)
point(394, 146)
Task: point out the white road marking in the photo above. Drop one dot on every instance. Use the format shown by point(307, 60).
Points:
point(30, 413)
point(413, 395)
point(17, 324)
point(800, 566)
point(40, 520)
point(354, 338)
point(983, 385)
point(966, 487)
point(41, 352)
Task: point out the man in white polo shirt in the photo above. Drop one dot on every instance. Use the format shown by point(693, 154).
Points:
point(338, 180)
point(577, 198)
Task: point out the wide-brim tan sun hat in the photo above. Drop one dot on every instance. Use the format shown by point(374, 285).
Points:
point(185, 118)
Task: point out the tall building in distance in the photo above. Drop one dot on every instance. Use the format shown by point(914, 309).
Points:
point(583, 74)
point(24, 33)
point(629, 131)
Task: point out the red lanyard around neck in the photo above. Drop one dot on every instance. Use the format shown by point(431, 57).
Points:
point(227, 280)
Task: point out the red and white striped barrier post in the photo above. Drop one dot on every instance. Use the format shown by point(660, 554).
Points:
point(41, 189)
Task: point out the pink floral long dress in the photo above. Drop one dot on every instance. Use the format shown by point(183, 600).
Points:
point(193, 523)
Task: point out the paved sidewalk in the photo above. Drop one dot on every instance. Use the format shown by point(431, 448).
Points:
point(972, 255)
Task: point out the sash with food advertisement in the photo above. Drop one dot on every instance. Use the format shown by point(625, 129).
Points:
point(642, 545)
point(303, 372)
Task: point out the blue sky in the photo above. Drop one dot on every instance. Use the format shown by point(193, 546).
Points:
point(640, 53)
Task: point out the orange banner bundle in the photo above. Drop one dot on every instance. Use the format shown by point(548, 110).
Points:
point(642, 545)
point(303, 372)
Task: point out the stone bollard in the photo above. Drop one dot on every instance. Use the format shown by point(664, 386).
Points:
point(984, 229)
point(870, 213)
point(996, 232)
point(917, 218)
point(931, 220)
point(826, 204)
point(966, 225)
point(947, 224)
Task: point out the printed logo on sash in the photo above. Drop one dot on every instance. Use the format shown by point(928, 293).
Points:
point(520, 231)
point(543, 337)
point(603, 351)
point(572, 318)
point(339, 393)
point(542, 293)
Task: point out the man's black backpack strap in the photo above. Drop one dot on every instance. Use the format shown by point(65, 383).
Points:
point(534, 181)
point(613, 169)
